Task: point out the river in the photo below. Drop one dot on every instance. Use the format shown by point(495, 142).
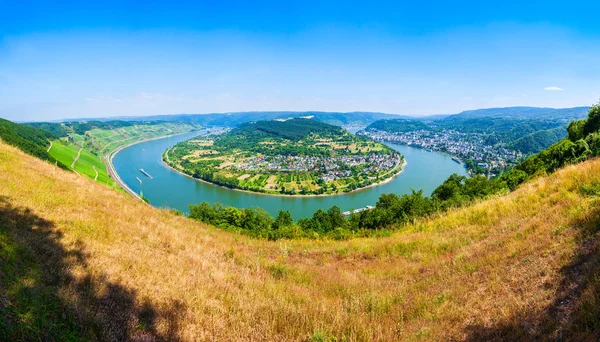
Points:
point(167, 188)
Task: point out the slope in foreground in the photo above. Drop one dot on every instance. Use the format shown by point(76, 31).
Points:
point(80, 261)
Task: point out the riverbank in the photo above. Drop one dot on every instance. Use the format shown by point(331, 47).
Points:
point(387, 180)
point(107, 158)
point(171, 189)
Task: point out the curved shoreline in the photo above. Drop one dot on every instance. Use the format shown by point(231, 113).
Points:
point(114, 175)
point(387, 180)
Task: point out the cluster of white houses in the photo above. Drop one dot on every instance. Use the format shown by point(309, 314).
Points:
point(333, 167)
point(463, 145)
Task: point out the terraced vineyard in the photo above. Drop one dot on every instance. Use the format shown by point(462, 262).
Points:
point(87, 151)
point(104, 141)
point(86, 164)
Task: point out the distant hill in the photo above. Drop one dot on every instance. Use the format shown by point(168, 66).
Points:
point(399, 125)
point(526, 129)
point(525, 113)
point(237, 118)
point(293, 129)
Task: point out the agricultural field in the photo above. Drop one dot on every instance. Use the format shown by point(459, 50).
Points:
point(100, 140)
point(289, 157)
point(103, 141)
point(87, 164)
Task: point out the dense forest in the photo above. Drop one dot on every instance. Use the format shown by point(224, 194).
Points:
point(31, 140)
point(537, 141)
point(582, 142)
point(293, 129)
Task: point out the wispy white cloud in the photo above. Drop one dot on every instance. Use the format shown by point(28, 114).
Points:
point(553, 89)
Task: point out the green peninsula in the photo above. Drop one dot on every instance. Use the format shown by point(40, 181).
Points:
point(288, 156)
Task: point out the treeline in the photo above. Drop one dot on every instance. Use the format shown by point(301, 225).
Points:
point(28, 139)
point(390, 210)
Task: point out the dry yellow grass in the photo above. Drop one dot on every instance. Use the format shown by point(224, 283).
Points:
point(498, 268)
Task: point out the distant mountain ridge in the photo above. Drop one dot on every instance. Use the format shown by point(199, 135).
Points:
point(526, 129)
point(237, 118)
point(343, 118)
point(525, 112)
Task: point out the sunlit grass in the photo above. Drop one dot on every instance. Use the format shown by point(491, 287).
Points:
point(497, 263)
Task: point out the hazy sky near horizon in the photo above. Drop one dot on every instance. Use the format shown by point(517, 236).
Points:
point(71, 59)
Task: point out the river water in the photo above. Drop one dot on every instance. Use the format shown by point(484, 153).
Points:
point(425, 170)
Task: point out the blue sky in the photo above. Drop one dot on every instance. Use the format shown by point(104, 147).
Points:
point(68, 59)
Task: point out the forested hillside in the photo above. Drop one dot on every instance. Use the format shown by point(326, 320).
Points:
point(537, 141)
point(30, 140)
point(392, 210)
point(293, 129)
point(524, 135)
point(582, 142)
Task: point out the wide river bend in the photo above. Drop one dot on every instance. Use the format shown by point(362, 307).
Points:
point(167, 188)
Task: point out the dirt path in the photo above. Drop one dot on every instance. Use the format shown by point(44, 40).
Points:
point(75, 160)
point(95, 178)
point(49, 147)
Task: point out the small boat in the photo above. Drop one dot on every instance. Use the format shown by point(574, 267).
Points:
point(145, 173)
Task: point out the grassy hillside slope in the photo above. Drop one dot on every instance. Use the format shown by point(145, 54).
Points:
point(78, 260)
point(86, 164)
